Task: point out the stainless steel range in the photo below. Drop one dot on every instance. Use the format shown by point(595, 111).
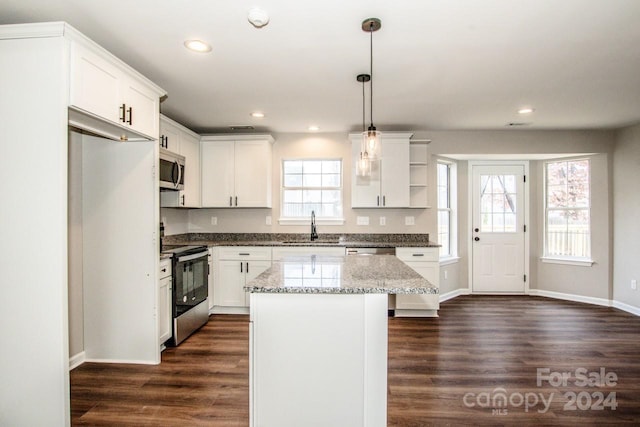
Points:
point(190, 291)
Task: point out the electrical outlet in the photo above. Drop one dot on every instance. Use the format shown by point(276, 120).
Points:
point(267, 220)
point(362, 220)
point(383, 220)
point(409, 220)
point(214, 220)
point(634, 284)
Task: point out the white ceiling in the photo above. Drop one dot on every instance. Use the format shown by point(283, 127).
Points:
point(438, 64)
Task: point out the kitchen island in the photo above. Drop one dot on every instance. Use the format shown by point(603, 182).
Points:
point(318, 339)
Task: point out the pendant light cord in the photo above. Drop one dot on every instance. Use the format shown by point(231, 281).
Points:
point(371, 70)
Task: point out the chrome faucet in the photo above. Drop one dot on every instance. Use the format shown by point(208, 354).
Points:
point(314, 232)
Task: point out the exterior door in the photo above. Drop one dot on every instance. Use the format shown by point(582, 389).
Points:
point(498, 229)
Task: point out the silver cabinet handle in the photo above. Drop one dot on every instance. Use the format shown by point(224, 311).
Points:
point(384, 200)
point(230, 201)
point(236, 200)
point(417, 254)
point(378, 201)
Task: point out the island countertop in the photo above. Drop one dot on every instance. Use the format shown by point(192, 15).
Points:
point(384, 274)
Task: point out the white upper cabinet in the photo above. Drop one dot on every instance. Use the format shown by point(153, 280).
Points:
point(388, 185)
point(103, 87)
point(181, 140)
point(236, 172)
point(217, 173)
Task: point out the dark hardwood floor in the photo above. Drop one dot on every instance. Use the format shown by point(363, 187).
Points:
point(446, 371)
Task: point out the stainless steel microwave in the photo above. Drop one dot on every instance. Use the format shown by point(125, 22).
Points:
point(171, 170)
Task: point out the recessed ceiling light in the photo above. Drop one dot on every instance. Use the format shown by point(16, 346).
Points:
point(314, 128)
point(257, 114)
point(197, 46)
point(526, 110)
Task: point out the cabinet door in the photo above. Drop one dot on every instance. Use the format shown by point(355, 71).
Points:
point(217, 174)
point(164, 310)
point(142, 107)
point(365, 191)
point(430, 271)
point(211, 279)
point(190, 149)
point(228, 290)
point(95, 85)
point(254, 269)
point(253, 174)
point(395, 176)
point(171, 136)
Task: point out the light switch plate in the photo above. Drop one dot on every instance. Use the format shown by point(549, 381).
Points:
point(383, 220)
point(409, 220)
point(362, 220)
point(267, 220)
point(214, 220)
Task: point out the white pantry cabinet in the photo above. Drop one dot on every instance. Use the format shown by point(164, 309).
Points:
point(425, 261)
point(388, 186)
point(234, 266)
point(179, 139)
point(101, 86)
point(165, 301)
point(236, 172)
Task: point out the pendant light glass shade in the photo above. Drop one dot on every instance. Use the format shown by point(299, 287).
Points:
point(371, 139)
point(363, 167)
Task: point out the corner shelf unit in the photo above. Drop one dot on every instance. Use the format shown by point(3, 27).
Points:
point(419, 177)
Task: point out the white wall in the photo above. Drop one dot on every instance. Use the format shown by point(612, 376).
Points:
point(76, 320)
point(521, 144)
point(34, 374)
point(626, 207)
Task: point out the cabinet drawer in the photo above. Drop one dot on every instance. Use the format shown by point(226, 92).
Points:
point(281, 252)
point(165, 268)
point(417, 254)
point(244, 253)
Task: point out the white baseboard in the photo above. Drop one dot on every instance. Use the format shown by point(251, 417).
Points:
point(122, 361)
point(626, 307)
point(571, 297)
point(558, 295)
point(76, 360)
point(217, 309)
point(454, 293)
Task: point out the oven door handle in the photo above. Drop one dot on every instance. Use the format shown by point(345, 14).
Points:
point(194, 256)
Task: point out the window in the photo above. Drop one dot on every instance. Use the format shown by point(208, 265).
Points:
point(446, 180)
point(312, 185)
point(567, 210)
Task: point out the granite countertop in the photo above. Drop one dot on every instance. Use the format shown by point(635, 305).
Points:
point(297, 239)
point(327, 243)
point(341, 275)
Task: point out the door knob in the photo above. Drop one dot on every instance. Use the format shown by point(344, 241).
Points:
point(476, 229)
point(476, 239)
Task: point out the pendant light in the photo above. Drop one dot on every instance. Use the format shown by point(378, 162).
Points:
point(364, 162)
point(371, 136)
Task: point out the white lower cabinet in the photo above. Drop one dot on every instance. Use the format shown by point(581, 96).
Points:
point(425, 261)
point(211, 278)
point(284, 251)
point(164, 301)
point(233, 267)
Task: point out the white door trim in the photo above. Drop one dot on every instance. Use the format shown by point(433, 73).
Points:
point(527, 208)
